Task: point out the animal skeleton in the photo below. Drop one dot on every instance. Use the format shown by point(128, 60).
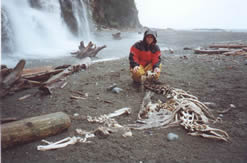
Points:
point(180, 108)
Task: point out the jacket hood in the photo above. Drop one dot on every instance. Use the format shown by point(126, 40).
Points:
point(150, 32)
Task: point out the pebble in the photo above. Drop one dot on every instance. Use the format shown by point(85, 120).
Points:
point(221, 115)
point(76, 115)
point(111, 87)
point(172, 136)
point(232, 106)
point(245, 62)
point(117, 90)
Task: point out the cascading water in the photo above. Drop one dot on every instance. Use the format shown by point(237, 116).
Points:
point(82, 19)
point(36, 33)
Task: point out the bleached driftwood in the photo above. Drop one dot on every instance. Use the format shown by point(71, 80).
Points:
point(59, 79)
point(7, 82)
point(211, 51)
point(89, 51)
point(13, 76)
point(230, 46)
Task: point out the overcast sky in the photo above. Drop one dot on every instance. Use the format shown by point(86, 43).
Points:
point(188, 14)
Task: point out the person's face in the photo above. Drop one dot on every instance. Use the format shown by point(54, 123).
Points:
point(149, 39)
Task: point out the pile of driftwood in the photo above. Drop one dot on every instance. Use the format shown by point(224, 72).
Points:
point(45, 78)
point(87, 51)
point(225, 49)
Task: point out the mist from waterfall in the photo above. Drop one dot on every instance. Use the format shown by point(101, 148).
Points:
point(33, 33)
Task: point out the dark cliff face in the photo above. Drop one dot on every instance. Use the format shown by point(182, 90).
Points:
point(68, 15)
point(115, 13)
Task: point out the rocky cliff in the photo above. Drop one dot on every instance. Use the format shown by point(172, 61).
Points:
point(115, 13)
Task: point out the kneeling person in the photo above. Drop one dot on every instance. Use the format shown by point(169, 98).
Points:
point(145, 56)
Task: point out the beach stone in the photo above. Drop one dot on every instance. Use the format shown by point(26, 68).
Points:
point(172, 136)
point(245, 62)
point(117, 90)
point(76, 115)
point(111, 87)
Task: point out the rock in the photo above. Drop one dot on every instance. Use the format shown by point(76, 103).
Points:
point(186, 48)
point(102, 132)
point(221, 115)
point(172, 136)
point(111, 87)
point(245, 62)
point(149, 132)
point(232, 106)
point(117, 90)
point(115, 14)
point(76, 115)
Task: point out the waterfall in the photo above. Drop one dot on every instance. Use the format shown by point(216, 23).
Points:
point(40, 32)
point(82, 19)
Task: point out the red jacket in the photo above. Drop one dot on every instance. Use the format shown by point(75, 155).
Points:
point(142, 54)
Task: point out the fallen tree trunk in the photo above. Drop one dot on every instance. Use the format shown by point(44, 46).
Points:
point(231, 46)
point(59, 79)
point(34, 128)
point(89, 51)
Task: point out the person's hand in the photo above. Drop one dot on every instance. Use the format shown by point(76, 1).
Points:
point(136, 68)
point(157, 70)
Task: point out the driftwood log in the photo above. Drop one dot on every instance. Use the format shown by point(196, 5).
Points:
point(14, 75)
point(89, 51)
point(11, 77)
point(46, 78)
point(58, 80)
point(210, 51)
point(34, 128)
point(116, 36)
point(230, 46)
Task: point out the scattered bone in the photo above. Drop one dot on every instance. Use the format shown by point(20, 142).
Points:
point(24, 97)
point(64, 84)
point(120, 112)
point(232, 106)
point(62, 143)
point(110, 125)
point(77, 97)
point(224, 111)
point(210, 104)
